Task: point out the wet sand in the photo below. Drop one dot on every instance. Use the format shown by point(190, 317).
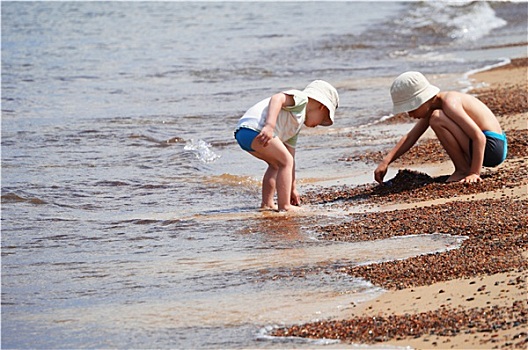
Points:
point(468, 298)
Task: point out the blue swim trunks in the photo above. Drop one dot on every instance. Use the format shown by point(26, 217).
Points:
point(245, 137)
point(496, 148)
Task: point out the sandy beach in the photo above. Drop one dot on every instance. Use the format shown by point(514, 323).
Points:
point(469, 298)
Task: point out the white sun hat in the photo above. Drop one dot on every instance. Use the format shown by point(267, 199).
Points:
point(410, 90)
point(323, 92)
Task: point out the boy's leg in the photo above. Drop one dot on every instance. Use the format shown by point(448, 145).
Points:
point(281, 161)
point(268, 188)
point(455, 142)
point(245, 138)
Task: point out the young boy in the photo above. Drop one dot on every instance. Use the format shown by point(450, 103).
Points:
point(269, 131)
point(465, 126)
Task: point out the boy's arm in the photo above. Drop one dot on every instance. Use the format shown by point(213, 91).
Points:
point(276, 103)
point(295, 199)
point(405, 143)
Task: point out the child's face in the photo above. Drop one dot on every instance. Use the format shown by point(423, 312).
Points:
point(318, 116)
point(420, 112)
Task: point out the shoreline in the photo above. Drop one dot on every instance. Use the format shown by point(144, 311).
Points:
point(472, 297)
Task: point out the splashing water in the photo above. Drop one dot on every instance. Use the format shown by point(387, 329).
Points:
point(463, 21)
point(203, 150)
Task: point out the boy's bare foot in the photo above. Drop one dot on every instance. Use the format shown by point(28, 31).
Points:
point(456, 177)
point(291, 208)
point(268, 208)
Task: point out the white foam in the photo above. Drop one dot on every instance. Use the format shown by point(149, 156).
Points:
point(475, 24)
point(460, 20)
point(202, 149)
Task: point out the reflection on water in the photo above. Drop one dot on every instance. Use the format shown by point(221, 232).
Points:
point(275, 273)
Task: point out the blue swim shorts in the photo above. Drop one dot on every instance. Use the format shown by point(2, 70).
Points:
point(496, 148)
point(245, 137)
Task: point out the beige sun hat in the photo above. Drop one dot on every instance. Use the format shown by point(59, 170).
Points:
point(411, 90)
point(324, 93)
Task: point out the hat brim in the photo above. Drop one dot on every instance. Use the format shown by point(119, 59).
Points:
point(416, 101)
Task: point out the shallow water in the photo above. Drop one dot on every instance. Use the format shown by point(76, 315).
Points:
point(129, 214)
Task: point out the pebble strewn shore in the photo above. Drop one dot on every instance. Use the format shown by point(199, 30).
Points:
point(498, 235)
point(496, 227)
point(443, 322)
point(409, 186)
point(497, 231)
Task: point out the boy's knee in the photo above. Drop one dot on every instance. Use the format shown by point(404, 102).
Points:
point(437, 113)
point(436, 117)
point(282, 161)
point(287, 161)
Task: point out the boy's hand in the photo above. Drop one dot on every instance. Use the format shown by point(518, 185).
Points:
point(471, 178)
point(380, 172)
point(265, 135)
point(295, 198)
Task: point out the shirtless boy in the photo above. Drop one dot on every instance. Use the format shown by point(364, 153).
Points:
point(466, 127)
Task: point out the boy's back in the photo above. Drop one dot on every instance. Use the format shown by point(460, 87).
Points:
point(475, 109)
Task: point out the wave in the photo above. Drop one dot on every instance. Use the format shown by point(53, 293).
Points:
point(14, 198)
point(458, 21)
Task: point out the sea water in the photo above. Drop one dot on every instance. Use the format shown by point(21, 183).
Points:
point(129, 214)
